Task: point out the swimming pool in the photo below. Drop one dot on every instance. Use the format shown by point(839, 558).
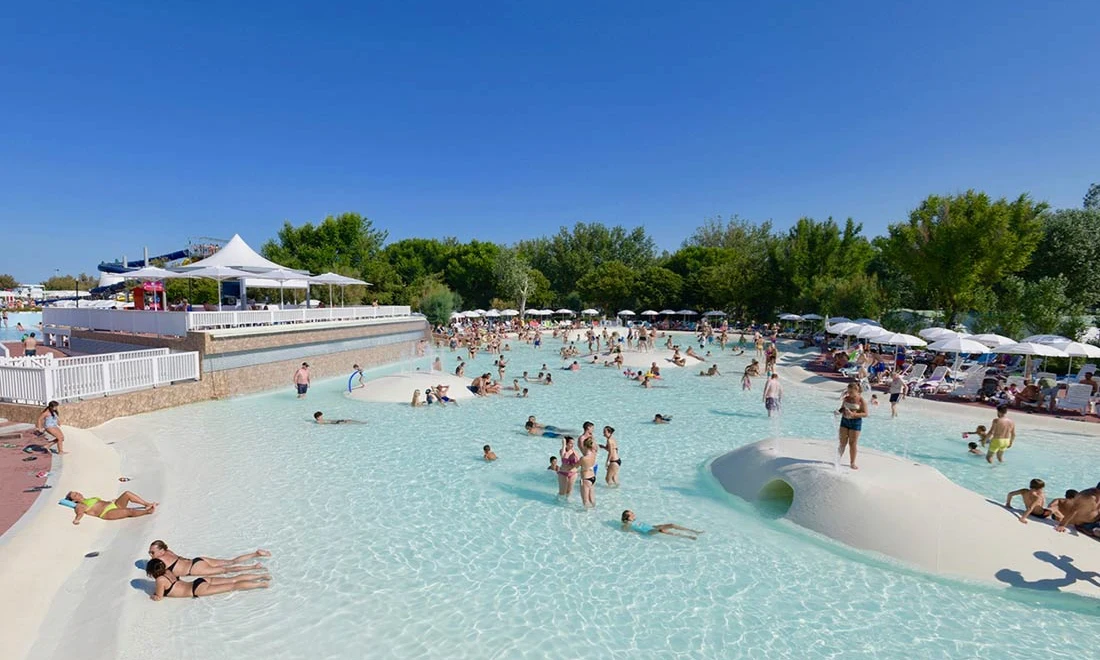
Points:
point(395, 539)
point(30, 321)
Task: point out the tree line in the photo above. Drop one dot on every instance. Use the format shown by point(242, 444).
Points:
point(1005, 265)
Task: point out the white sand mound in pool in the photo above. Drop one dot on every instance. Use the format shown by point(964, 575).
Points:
point(399, 388)
point(910, 512)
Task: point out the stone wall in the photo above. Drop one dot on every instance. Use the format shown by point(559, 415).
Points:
point(262, 372)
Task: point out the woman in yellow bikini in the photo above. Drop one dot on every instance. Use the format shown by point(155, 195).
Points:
point(108, 510)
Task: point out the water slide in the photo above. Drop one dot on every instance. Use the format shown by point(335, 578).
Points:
point(117, 267)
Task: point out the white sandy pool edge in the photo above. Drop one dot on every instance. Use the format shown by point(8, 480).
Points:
point(47, 548)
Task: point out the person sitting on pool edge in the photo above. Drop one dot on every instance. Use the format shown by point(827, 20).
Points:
point(1034, 500)
point(203, 566)
point(631, 525)
point(109, 510)
point(319, 417)
point(165, 584)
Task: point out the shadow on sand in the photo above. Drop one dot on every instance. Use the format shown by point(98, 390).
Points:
point(1063, 563)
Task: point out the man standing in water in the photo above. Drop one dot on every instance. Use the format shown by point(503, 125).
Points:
point(773, 394)
point(897, 389)
point(1002, 434)
point(301, 380)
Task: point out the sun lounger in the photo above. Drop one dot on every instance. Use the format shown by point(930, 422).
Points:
point(1085, 369)
point(915, 374)
point(1078, 397)
point(934, 383)
point(972, 385)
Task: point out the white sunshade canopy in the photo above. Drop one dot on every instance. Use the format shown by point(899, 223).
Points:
point(473, 314)
point(871, 332)
point(935, 334)
point(993, 340)
point(1045, 339)
point(480, 311)
point(812, 317)
point(668, 311)
point(687, 312)
point(234, 254)
point(900, 339)
point(1030, 348)
point(649, 312)
point(1078, 349)
point(152, 273)
point(958, 345)
point(333, 278)
point(565, 311)
point(219, 273)
point(626, 312)
point(867, 322)
point(848, 328)
point(715, 312)
point(492, 314)
point(839, 319)
point(790, 317)
point(456, 315)
point(509, 312)
point(590, 311)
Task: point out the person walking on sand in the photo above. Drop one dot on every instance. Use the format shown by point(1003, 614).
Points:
point(1002, 435)
point(201, 566)
point(897, 390)
point(301, 380)
point(853, 408)
point(773, 395)
point(611, 474)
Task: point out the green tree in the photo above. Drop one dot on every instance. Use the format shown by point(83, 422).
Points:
point(347, 241)
point(956, 248)
point(436, 301)
point(656, 287)
point(816, 250)
point(1046, 305)
point(569, 255)
point(1092, 198)
point(470, 271)
point(609, 286)
point(415, 258)
point(83, 282)
point(517, 281)
point(197, 292)
point(7, 281)
point(1070, 248)
point(734, 233)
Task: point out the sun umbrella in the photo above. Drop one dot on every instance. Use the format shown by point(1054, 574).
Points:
point(839, 319)
point(843, 328)
point(456, 315)
point(992, 340)
point(1030, 349)
point(813, 317)
point(791, 317)
point(282, 275)
point(565, 311)
point(509, 312)
point(152, 273)
point(339, 280)
point(900, 339)
point(959, 346)
point(687, 312)
point(715, 313)
point(649, 312)
point(1077, 349)
point(219, 273)
point(935, 334)
point(871, 332)
point(492, 313)
point(668, 311)
point(1045, 339)
point(590, 312)
point(626, 312)
point(867, 322)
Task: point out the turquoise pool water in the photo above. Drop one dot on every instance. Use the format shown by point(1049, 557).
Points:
point(395, 540)
point(30, 321)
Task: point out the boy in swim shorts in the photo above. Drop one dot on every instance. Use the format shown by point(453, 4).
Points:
point(1034, 500)
point(1002, 434)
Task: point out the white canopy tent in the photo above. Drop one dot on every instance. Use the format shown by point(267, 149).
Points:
point(239, 256)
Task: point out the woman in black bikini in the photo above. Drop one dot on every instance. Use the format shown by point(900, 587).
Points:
point(613, 460)
point(182, 567)
point(167, 585)
point(587, 466)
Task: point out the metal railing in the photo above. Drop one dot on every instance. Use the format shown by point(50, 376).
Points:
point(179, 323)
point(112, 373)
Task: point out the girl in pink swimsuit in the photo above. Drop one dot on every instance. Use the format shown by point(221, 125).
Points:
point(567, 475)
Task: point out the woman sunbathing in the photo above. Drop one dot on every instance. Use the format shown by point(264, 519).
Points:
point(107, 509)
point(182, 567)
point(168, 585)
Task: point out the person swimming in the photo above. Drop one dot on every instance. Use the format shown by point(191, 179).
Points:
point(489, 454)
point(319, 417)
point(631, 524)
point(661, 419)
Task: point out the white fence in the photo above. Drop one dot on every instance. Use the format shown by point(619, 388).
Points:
point(179, 323)
point(67, 379)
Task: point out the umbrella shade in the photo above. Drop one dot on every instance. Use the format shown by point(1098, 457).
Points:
point(590, 312)
point(871, 332)
point(1077, 349)
point(900, 339)
point(791, 317)
point(687, 312)
point(480, 311)
point(565, 311)
point(867, 322)
point(958, 345)
point(626, 312)
point(1045, 339)
point(1030, 348)
point(843, 328)
point(715, 313)
point(492, 313)
point(649, 312)
point(509, 312)
point(812, 317)
point(668, 311)
point(935, 334)
point(219, 273)
point(153, 273)
point(456, 315)
point(472, 314)
point(839, 319)
point(993, 341)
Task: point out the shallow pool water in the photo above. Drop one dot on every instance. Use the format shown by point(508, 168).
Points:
point(395, 539)
point(30, 321)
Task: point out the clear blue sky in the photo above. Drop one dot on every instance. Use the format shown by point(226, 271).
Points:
point(129, 124)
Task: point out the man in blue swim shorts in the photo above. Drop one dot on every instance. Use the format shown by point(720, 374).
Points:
point(301, 380)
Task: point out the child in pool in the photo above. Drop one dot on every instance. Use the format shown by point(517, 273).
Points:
point(1034, 500)
point(972, 448)
point(553, 463)
point(981, 432)
point(661, 419)
point(490, 455)
point(874, 399)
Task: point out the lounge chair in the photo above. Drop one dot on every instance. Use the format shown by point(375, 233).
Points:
point(914, 374)
point(1078, 397)
point(1085, 369)
point(934, 383)
point(972, 385)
